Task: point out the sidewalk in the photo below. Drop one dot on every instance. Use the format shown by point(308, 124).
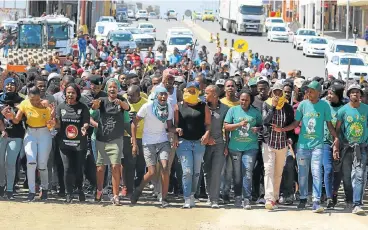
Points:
point(341, 35)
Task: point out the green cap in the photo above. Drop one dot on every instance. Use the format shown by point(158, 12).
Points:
point(252, 81)
point(315, 85)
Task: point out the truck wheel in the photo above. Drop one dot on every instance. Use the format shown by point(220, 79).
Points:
point(146, 19)
point(222, 26)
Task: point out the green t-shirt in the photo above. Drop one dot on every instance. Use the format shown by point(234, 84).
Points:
point(328, 139)
point(313, 117)
point(354, 123)
point(243, 138)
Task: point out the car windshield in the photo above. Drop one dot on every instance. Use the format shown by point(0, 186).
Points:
point(172, 11)
point(143, 12)
point(146, 26)
point(182, 41)
point(307, 32)
point(209, 12)
point(134, 30)
point(57, 31)
point(30, 36)
point(277, 21)
point(104, 19)
point(283, 29)
point(353, 61)
point(251, 10)
point(346, 49)
point(317, 41)
point(153, 14)
point(121, 37)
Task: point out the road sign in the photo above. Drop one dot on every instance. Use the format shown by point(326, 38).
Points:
point(240, 45)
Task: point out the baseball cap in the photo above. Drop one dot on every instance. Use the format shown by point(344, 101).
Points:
point(192, 84)
point(96, 79)
point(315, 85)
point(263, 80)
point(354, 86)
point(252, 81)
point(220, 82)
point(102, 64)
point(277, 86)
point(298, 82)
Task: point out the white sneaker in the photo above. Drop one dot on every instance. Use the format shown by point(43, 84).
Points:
point(186, 203)
point(159, 197)
point(215, 205)
point(246, 204)
point(192, 201)
point(261, 201)
point(209, 203)
point(358, 210)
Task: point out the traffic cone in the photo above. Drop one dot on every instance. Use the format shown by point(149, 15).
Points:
point(211, 38)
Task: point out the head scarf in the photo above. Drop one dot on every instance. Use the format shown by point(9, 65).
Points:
point(160, 111)
point(112, 80)
point(9, 98)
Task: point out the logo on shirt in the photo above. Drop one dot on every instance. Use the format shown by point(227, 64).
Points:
point(311, 126)
point(63, 112)
point(79, 111)
point(349, 119)
point(71, 131)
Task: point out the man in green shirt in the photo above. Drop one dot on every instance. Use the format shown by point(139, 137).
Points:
point(313, 113)
point(352, 124)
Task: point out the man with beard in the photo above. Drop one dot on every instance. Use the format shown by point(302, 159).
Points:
point(133, 165)
point(216, 149)
point(263, 88)
point(352, 124)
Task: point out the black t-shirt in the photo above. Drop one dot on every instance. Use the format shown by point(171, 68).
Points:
point(111, 122)
point(13, 130)
point(72, 118)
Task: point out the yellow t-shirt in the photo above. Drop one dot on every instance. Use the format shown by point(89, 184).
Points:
point(36, 117)
point(134, 108)
point(229, 103)
point(143, 95)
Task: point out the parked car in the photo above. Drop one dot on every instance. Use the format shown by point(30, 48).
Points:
point(142, 40)
point(153, 15)
point(131, 14)
point(198, 16)
point(338, 67)
point(208, 16)
point(278, 33)
point(147, 28)
point(274, 22)
point(122, 39)
point(338, 46)
point(141, 14)
point(107, 19)
point(315, 46)
point(301, 35)
point(172, 14)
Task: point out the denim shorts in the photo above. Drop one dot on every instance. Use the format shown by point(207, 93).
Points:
point(154, 152)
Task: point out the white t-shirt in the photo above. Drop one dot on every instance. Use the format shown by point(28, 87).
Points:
point(154, 130)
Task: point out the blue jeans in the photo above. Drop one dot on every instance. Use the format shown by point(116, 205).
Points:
point(191, 156)
point(243, 165)
point(310, 158)
point(82, 53)
point(9, 152)
point(328, 169)
point(6, 51)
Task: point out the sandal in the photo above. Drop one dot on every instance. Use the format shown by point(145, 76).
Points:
point(115, 201)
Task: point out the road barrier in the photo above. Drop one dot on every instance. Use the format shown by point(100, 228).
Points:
point(232, 42)
point(211, 38)
point(225, 42)
point(231, 55)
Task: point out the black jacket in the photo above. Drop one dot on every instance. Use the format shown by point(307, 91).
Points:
point(267, 114)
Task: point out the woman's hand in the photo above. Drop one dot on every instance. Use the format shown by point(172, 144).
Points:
point(51, 124)
point(211, 141)
point(96, 104)
point(135, 151)
point(276, 129)
point(205, 138)
point(7, 113)
point(4, 134)
point(179, 131)
point(83, 131)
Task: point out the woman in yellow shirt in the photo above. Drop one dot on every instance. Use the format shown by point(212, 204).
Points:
point(38, 140)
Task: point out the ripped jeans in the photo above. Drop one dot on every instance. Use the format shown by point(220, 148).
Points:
point(191, 157)
point(243, 165)
point(310, 159)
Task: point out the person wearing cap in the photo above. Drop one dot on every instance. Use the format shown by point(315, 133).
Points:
point(332, 182)
point(352, 125)
point(267, 70)
point(243, 122)
point(312, 113)
point(193, 122)
point(12, 138)
point(252, 85)
point(216, 148)
point(158, 117)
point(221, 84)
point(275, 111)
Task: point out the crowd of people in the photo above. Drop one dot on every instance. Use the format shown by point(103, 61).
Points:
point(111, 122)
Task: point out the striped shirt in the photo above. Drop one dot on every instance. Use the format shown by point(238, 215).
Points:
point(278, 140)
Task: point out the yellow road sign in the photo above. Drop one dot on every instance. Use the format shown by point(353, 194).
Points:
point(240, 45)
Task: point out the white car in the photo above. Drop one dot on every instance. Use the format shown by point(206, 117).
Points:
point(172, 14)
point(131, 14)
point(177, 41)
point(278, 33)
point(301, 35)
point(122, 38)
point(198, 16)
point(147, 28)
point(153, 15)
point(336, 47)
point(141, 14)
point(178, 31)
point(143, 41)
point(274, 22)
point(315, 46)
point(338, 67)
point(107, 19)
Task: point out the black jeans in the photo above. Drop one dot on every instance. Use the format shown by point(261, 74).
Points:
point(133, 166)
point(288, 177)
point(258, 176)
point(59, 163)
point(90, 166)
point(73, 162)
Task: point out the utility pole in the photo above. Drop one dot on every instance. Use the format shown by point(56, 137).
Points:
point(274, 5)
point(347, 19)
point(323, 17)
point(78, 16)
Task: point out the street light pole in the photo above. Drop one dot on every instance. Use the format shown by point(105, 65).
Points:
point(323, 17)
point(78, 16)
point(347, 19)
point(274, 5)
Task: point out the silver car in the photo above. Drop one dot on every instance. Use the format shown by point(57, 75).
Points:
point(122, 39)
point(147, 28)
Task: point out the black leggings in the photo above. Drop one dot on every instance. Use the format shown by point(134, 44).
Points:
point(73, 162)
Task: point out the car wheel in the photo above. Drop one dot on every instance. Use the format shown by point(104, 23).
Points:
point(146, 19)
point(268, 39)
point(294, 46)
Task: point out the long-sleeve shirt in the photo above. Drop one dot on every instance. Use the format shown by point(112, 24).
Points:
point(82, 44)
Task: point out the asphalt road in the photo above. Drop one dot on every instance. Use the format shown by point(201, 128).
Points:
point(290, 59)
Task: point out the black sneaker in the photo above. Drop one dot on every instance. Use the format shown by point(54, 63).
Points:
point(289, 200)
point(61, 193)
point(81, 196)
point(330, 203)
point(302, 204)
point(226, 199)
point(334, 199)
point(10, 195)
point(31, 197)
point(2, 191)
point(69, 198)
point(43, 194)
point(135, 196)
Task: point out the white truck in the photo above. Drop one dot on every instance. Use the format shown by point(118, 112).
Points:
point(242, 16)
